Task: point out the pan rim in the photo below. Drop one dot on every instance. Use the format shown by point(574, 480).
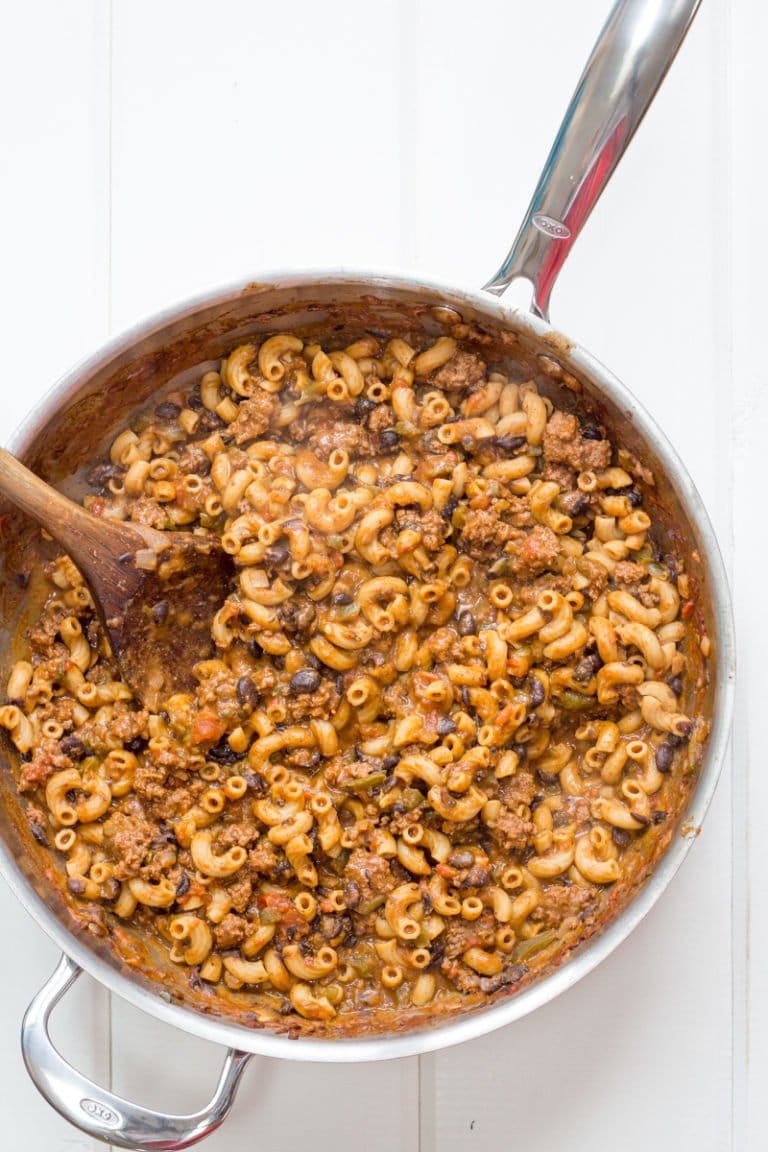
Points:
point(478, 1022)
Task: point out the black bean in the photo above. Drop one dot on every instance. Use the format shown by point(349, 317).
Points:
point(100, 476)
point(256, 781)
point(39, 834)
point(465, 698)
point(658, 817)
point(352, 894)
point(76, 885)
point(125, 557)
point(331, 926)
point(184, 883)
point(466, 624)
point(73, 747)
point(390, 762)
point(450, 507)
point(388, 440)
point(111, 888)
point(194, 402)
point(164, 837)
point(586, 668)
point(363, 407)
point(22, 579)
point(509, 443)
point(547, 777)
point(521, 751)
point(461, 859)
point(167, 410)
point(296, 615)
point(247, 692)
point(221, 753)
point(591, 432)
point(136, 744)
point(342, 598)
point(305, 680)
point(672, 566)
point(635, 498)
point(536, 693)
point(445, 725)
point(160, 611)
point(276, 555)
point(621, 837)
point(574, 503)
point(675, 684)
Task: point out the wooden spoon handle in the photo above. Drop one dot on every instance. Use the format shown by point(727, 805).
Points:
point(73, 526)
point(55, 512)
point(99, 547)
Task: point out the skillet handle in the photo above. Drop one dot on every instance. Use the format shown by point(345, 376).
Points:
point(628, 63)
point(100, 1113)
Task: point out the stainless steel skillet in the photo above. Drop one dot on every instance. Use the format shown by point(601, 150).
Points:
point(632, 56)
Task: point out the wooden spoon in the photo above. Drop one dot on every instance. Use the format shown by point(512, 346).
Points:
point(156, 591)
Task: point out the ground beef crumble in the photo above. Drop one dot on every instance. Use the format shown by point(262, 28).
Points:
point(254, 416)
point(462, 372)
point(128, 835)
point(231, 931)
point(564, 443)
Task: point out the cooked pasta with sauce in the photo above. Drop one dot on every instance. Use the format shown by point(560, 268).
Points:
point(443, 707)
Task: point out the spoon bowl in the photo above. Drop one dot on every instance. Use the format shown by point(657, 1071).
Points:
point(156, 592)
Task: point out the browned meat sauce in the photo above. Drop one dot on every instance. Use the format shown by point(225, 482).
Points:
point(445, 700)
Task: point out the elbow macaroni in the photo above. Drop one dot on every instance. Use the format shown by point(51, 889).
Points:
point(445, 695)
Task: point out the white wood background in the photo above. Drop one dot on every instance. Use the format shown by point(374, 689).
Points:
point(153, 149)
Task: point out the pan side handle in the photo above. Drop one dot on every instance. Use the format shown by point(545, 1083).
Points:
point(98, 1112)
point(628, 63)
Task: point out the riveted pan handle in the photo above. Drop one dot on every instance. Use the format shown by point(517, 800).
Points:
point(627, 65)
point(100, 1113)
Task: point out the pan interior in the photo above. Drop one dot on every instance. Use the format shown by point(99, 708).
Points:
point(83, 412)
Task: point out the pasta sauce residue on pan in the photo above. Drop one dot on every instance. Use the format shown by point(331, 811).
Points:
point(443, 708)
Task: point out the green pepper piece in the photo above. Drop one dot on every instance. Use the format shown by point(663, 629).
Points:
point(364, 783)
point(411, 798)
point(362, 964)
point(527, 948)
point(574, 701)
point(365, 907)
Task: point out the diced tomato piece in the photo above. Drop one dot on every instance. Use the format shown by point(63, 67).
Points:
point(208, 727)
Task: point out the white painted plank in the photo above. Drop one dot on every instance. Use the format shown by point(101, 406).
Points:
point(53, 308)
point(247, 145)
point(285, 1103)
point(257, 137)
point(489, 94)
point(642, 292)
point(635, 1055)
point(750, 436)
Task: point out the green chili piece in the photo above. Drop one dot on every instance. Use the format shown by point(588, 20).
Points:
point(347, 611)
point(527, 948)
point(365, 907)
point(339, 863)
point(363, 783)
point(269, 916)
point(411, 798)
point(574, 701)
